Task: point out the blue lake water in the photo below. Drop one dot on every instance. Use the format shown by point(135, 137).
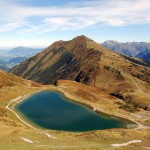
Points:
point(51, 110)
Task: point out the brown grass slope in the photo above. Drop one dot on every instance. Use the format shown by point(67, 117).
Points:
point(87, 62)
point(12, 130)
point(62, 60)
point(7, 79)
point(12, 86)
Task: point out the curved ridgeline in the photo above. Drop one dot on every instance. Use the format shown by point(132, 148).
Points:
point(50, 110)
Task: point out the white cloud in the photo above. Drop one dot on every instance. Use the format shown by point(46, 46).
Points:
point(73, 16)
point(9, 42)
point(9, 27)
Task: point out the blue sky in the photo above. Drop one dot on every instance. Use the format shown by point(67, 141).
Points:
point(41, 22)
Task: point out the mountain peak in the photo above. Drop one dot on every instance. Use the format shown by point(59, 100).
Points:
point(110, 42)
point(63, 60)
point(82, 38)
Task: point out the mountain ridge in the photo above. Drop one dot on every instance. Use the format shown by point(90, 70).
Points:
point(136, 49)
point(145, 55)
point(65, 54)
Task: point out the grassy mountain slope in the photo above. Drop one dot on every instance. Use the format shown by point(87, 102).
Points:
point(116, 85)
point(87, 62)
point(14, 134)
point(7, 79)
point(62, 60)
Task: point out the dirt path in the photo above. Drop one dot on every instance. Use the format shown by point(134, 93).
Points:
point(126, 144)
point(71, 146)
point(27, 140)
point(19, 99)
point(133, 82)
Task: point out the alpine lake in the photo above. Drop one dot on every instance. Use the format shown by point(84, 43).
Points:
point(51, 110)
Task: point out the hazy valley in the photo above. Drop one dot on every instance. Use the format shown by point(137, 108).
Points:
point(12, 57)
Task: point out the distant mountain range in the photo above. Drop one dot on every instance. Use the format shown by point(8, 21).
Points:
point(2, 67)
point(24, 51)
point(145, 55)
point(135, 49)
point(17, 60)
point(11, 58)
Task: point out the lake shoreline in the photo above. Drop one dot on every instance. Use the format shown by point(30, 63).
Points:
point(23, 119)
point(96, 110)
